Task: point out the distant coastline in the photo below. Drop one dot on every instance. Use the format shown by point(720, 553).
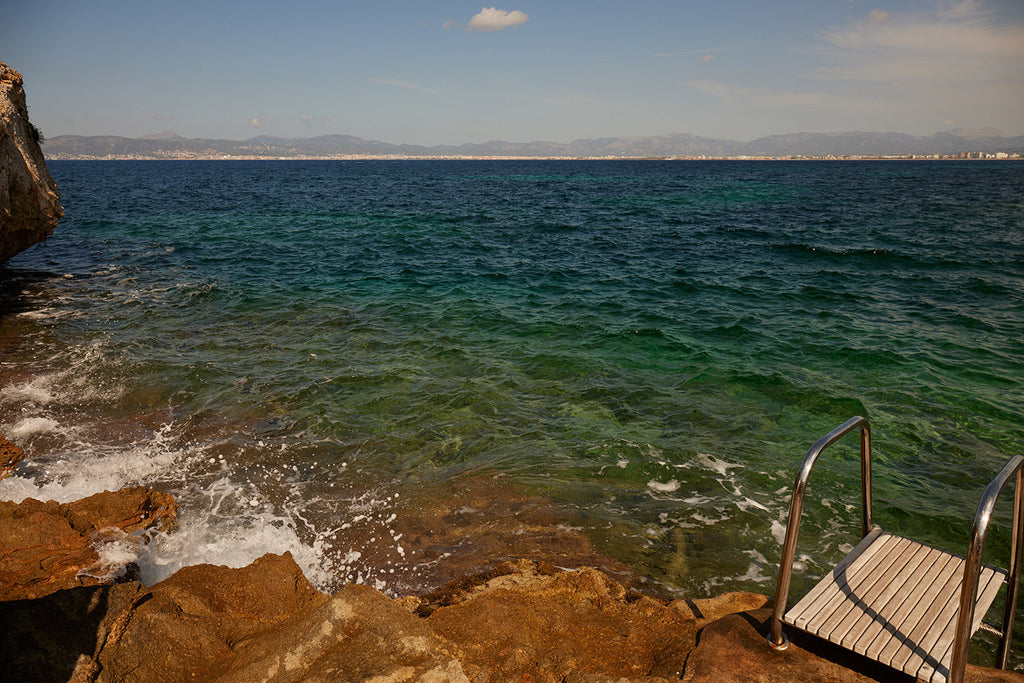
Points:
point(986, 144)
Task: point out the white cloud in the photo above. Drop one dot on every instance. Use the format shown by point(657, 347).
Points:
point(256, 122)
point(946, 55)
point(493, 19)
point(405, 85)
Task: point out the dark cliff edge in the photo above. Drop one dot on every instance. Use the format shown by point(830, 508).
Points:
point(29, 201)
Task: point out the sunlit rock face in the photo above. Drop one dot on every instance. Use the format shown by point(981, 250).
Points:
point(29, 200)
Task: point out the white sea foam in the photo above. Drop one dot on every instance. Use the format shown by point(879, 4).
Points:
point(31, 425)
point(663, 487)
point(36, 391)
point(84, 470)
point(778, 531)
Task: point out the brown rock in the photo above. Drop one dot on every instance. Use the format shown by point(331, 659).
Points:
point(193, 620)
point(10, 456)
point(706, 610)
point(734, 650)
point(46, 547)
point(359, 635)
point(266, 623)
point(580, 625)
point(29, 200)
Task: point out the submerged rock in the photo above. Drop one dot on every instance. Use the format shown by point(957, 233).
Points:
point(29, 200)
point(47, 547)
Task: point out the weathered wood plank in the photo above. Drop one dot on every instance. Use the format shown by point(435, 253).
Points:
point(896, 601)
point(857, 555)
point(847, 586)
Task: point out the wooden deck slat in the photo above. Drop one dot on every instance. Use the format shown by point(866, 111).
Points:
point(851, 582)
point(894, 653)
point(858, 600)
point(892, 601)
point(856, 556)
point(853, 575)
point(895, 601)
point(935, 667)
point(879, 636)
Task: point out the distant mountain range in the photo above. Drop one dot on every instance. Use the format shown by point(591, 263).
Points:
point(169, 145)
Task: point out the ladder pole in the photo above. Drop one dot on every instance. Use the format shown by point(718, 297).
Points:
point(865, 477)
point(776, 638)
point(972, 564)
point(1013, 580)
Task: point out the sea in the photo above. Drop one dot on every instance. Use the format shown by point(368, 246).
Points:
point(400, 369)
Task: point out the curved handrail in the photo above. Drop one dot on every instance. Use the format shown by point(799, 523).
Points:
point(972, 567)
point(775, 636)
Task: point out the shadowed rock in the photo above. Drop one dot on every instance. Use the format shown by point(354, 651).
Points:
point(29, 200)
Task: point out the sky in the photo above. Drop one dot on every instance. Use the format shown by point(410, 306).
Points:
point(450, 72)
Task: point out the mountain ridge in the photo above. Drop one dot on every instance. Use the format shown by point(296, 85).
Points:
point(170, 145)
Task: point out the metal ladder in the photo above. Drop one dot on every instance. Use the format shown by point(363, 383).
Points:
point(899, 602)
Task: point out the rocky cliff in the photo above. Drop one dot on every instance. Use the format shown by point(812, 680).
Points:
point(29, 201)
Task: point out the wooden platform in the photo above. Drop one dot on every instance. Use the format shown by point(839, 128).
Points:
point(894, 600)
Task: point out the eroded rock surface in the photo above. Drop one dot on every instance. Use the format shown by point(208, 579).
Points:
point(29, 200)
point(47, 546)
point(542, 624)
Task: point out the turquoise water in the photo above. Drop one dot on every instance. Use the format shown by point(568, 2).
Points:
point(650, 346)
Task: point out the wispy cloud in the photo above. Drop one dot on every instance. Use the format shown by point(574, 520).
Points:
point(494, 19)
point(405, 85)
point(948, 61)
point(256, 122)
point(957, 62)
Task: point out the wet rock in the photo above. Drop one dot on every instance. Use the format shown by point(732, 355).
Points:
point(10, 456)
point(46, 546)
point(265, 622)
point(29, 200)
point(537, 624)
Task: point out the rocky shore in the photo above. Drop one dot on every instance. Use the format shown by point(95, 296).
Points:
point(73, 611)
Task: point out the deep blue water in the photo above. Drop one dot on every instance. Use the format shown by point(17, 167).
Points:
point(651, 345)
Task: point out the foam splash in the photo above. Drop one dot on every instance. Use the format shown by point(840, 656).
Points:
point(116, 549)
point(85, 469)
point(669, 486)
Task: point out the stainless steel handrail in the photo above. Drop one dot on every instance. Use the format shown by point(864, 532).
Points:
point(776, 638)
point(972, 568)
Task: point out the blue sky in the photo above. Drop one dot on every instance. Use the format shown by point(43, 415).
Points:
point(451, 72)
